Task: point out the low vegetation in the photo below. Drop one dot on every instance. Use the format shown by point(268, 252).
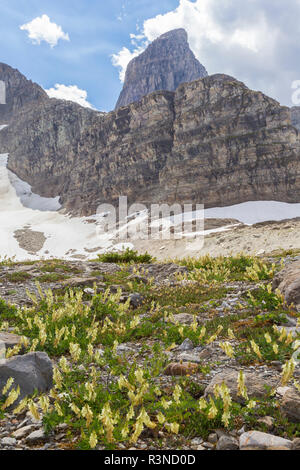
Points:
point(126, 257)
point(108, 398)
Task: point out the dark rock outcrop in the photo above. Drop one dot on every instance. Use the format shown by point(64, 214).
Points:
point(20, 93)
point(164, 65)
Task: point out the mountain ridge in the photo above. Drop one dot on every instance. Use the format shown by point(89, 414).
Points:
point(164, 65)
point(212, 141)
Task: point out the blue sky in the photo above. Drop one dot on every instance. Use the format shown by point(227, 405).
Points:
point(97, 29)
point(256, 41)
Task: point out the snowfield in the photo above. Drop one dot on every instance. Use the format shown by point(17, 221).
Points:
point(20, 209)
point(253, 212)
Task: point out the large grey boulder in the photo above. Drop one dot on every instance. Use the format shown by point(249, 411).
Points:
point(33, 371)
point(257, 385)
point(288, 282)
point(256, 440)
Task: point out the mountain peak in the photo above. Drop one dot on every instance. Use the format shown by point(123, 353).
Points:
point(179, 33)
point(20, 92)
point(164, 65)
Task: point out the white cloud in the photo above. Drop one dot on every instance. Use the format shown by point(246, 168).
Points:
point(255, 41)
point(123, 58)
point(69, 93)
point(42, 29)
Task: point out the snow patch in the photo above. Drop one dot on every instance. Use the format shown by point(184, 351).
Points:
point(66, 237)
point(254, 212)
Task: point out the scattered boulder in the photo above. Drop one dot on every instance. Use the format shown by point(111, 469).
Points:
point(227, 443)
point(80, 282)
point(256, 440)
point(213, 438)
point(267, 421)
point(186, 368)
point(136, 300)
point(189, 357)
point(290, 405)
point(36, 437)
point(164, 272)
point(10, 340)
point(256, 385)
point(184, 318)
point(288, 282)
point(24, 431)
point(8, 441)
point(187, 345)
point(296, 444)
point(33, 371)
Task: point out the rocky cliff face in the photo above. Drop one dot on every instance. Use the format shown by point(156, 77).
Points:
point(20, 93)
point(164, 65)
point(212, 141)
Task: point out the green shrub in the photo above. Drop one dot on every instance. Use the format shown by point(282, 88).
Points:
point(128, 256)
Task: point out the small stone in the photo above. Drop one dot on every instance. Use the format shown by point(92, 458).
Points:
point(36, 436)
point(187, 345)
point(227, 443)
point(208, 445)
point(201, 448)
point(62, 426)
point(197, 441)
point(213, 438)
point(267, 421)
point(296, 444)
point(89, 291)
point(281, 391)
point(186, 368)
point(184, 318)
point(10, 340)
point(277, 365)
point(136, 300)
point(124, 349)
point(22, 432)
point(189, 357)
point(256, 440)
point(8, 441)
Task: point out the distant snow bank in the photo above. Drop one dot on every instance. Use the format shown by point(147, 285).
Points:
point(248, 213)
point(66, 237)
point(254, 212)
point(25, 194)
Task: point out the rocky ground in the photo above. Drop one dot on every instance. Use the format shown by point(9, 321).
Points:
point(156, 339)
point(263, 238)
